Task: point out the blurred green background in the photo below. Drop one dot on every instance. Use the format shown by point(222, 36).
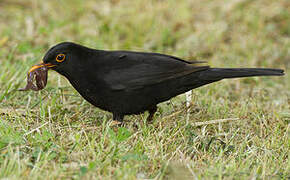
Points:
point(55, 134)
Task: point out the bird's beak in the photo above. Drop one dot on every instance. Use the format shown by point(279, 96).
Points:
point(48, 65)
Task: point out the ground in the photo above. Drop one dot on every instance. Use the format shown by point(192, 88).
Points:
point(236, 129)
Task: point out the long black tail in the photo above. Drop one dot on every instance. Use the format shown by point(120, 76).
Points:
point(221, 73)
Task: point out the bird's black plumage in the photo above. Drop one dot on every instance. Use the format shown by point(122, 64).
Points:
point(125, 82)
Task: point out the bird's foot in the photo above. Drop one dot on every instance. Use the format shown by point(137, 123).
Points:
point(117, 123)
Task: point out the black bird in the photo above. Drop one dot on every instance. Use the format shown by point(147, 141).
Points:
point(125, 82)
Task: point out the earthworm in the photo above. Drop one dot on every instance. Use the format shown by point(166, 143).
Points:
point(40, 76)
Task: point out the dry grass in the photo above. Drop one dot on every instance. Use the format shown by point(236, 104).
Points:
point(55, 134)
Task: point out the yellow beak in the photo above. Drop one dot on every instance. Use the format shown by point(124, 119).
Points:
point(49, 65)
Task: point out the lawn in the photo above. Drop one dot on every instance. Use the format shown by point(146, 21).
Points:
point(233, 129)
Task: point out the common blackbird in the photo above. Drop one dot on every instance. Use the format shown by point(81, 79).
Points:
point(126, 82)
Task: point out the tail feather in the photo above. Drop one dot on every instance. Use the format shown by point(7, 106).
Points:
point(221, 73)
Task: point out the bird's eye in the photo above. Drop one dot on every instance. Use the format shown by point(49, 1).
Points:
point(60, 57)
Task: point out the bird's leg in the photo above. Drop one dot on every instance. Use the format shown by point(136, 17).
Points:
point(118, 118)
point(151, 111)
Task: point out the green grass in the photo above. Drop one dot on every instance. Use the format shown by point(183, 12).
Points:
point(56, 134)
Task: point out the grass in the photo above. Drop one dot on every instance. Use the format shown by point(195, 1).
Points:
point(56, 134)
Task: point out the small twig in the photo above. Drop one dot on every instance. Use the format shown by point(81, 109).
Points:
point(188, 96)
point(214, 121)
point(35, 129)
point(178, 112)
point(173, 114)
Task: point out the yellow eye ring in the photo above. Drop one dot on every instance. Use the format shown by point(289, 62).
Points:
point(60, 57)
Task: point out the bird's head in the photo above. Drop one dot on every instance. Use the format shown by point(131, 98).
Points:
point(64, 57)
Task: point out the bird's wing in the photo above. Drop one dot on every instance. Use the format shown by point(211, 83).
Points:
point(131, 70)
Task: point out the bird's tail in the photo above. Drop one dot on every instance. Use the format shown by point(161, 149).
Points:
point(222, 73)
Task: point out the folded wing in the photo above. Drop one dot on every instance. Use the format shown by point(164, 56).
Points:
point(138, 70)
